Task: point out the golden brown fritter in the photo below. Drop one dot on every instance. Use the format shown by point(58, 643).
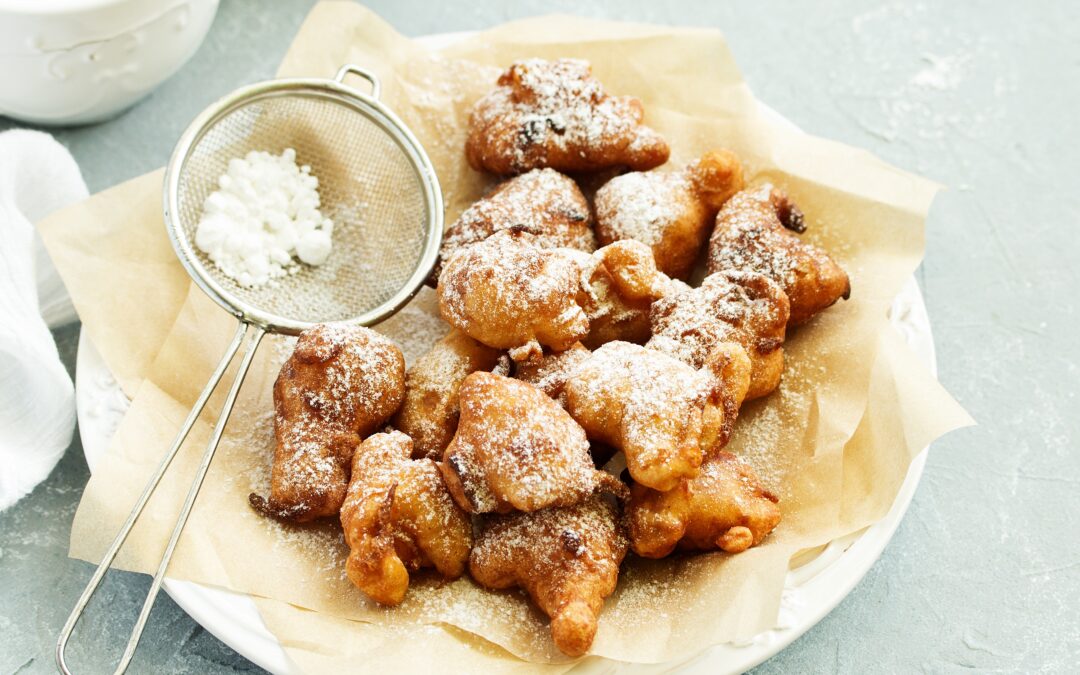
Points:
point(550, 372)
point(724, 507)
point(755, 231)
point(341, 383)
point(664, 415)
point(398, 517)
point(508, 293)
point(430, 411)
point(567, 559)
point(619, 284)
point(555, 114)
point(543, 202)
point(730, 366)
point(515, 448)
point(743, 307)
point(670, 211)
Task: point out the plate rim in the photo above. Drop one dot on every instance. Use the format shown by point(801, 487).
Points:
point(855, 555)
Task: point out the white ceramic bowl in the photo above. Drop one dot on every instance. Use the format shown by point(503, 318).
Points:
point(80, 61)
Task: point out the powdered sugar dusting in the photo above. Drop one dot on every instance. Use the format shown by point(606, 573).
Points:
point(659, 397)
point(642, 206)
point(554, 113)
point(342, 382)
point(430, 411)
point(550, 373)
point(741, 307)
point(567, 542)
point(543, 201)
point(740, 239)
point(516, 446)
point(565, 106)
point(358, 375)
point(507, 293)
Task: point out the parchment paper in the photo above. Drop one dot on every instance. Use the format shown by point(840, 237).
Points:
point(834, 442)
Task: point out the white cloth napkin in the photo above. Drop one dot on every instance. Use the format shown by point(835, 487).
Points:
point(37, 399)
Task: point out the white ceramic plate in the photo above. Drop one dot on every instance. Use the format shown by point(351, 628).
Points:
point(811, 591)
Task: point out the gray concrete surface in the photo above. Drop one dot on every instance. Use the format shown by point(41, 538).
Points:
point(984, 573)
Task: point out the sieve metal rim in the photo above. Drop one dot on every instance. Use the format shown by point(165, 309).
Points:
point(335, 90)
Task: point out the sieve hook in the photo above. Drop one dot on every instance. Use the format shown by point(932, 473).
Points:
point(344, 71)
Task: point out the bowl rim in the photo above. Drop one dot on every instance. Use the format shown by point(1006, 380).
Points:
point(61, 7)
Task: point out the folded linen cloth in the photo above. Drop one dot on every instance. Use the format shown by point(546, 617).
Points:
point(37, 399)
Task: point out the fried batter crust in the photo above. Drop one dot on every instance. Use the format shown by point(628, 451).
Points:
point(619, 284)
point(567, 559)
point(755, 231)
point(515, 448)
point(670, 211)
point(398, 517)
point(508, 293)
point(430, 411)
point(743, 307)
point(550, 372)
point(724, 507)
point(664, 415)
point(556, 114)
point(543, 202)
point(340, 384)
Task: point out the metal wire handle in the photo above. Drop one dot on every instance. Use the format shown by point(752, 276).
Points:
point(379, 130)
point(253, 336)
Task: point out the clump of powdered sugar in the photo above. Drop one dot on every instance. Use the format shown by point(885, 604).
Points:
point(264, 213)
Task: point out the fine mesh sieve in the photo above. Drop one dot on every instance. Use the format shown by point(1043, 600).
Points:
point(375, 182)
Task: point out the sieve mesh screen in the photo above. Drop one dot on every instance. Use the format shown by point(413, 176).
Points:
point(369, 185)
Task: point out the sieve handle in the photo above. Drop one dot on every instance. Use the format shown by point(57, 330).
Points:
point(344, 71)
point(242, 332)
